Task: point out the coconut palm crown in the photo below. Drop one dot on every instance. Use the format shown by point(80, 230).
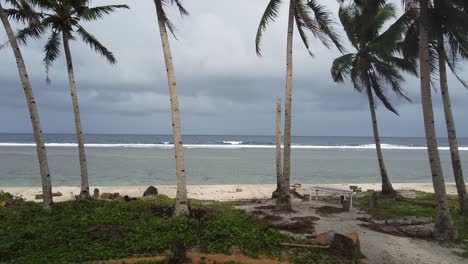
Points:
point(64, 17)
point(310, 17)
point(375, 63)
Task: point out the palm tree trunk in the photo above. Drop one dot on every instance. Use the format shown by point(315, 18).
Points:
point(33, 113)
point(181, 206)
point(76, 111)
point(278, 148)
point(283, 202)
point(451, 131)
point(444, 228)
point(387, 187)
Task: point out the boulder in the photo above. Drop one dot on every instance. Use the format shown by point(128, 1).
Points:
point(1, 192)
point(239, 190)
point(150, 191)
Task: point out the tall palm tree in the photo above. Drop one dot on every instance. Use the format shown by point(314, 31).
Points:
point(63, 19)
point(310, 17)
point(181, 205)
point(452, 23)
point(448, 44)
point(23, 12)
point(279, 172)
point(374, 65)
point(444, 227)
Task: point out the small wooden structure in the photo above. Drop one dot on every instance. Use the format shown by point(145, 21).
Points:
point(348, 193)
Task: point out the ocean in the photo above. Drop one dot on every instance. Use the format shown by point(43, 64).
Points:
point(217, 159)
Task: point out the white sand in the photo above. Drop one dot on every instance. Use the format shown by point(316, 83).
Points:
point(211, 192)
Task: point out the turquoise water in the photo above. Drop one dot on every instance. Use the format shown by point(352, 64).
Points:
point(155, 165)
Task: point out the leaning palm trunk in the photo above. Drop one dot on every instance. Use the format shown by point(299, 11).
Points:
point(76, 111)
point(34, 115)
point(451, 131)
point(387, 187)
point(279, 178)
point(444, 228)
point(283, 202)
point(181, 206)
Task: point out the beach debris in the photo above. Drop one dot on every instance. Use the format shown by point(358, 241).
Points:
point(150, 191)
point(418, 227)
point(329, 210)
point(296, 185)
point(40, 196)
point(346, 245)
point(8, 199)
point(109, 196)
point(96, 193)
point(238, 189)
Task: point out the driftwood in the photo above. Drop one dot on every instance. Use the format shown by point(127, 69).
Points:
point(303, 245)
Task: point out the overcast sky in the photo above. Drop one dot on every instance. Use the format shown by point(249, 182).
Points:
point(224, 88)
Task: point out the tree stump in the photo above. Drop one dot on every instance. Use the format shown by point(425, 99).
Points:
point(346, 245)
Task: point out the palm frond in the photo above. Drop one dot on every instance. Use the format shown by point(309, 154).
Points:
point(388, 41)
point(454, 70)
point(342, 67)
point(98, 12)
point(378, 90)
point(95, 44)
point(161, 6)
point(270, 14)
point(301, 28)
point(346, 15)
point(325, 22)
point(52, 51)
point(182, 10)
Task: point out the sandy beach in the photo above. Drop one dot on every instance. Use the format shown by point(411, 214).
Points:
point(212, 192)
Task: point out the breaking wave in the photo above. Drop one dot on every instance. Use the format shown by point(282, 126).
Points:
point(230, 145)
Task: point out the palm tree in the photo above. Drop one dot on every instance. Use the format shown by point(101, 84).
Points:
point(181, 205)
point(444, 227)
point(448, 19)
point(374, 64)
point(310, 17)
point(22, 11)
point(63, 18)
point(278, 148)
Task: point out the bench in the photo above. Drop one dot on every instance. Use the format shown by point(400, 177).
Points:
point(348, 193)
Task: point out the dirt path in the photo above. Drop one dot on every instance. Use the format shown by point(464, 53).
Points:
point(379, 248)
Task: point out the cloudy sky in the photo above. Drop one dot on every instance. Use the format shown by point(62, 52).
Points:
point(224, 88)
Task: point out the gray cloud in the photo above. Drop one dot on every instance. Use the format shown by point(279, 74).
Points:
point(224, 87)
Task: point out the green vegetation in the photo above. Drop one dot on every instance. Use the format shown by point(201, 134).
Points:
point(422, 205)
point(91, 230)
point(5, 196)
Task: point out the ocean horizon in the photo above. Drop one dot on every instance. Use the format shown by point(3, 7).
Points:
point(124, 160)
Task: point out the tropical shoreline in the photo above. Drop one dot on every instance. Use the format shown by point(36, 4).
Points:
point(232, 192)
